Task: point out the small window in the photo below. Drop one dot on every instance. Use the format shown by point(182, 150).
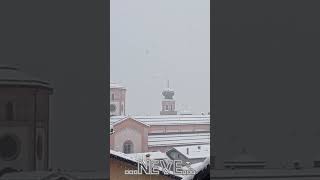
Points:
point(167, 108)
point(9, 111)
point(112, 97)
point(128, 147)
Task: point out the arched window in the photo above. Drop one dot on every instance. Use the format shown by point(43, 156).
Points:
point(9, 147)
point(128, 147)
point(9, 111)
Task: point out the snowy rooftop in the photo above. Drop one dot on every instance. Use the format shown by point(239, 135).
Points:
point(133, 159)
point(194, 152)
point(122, 120)
point(179, 139)
point(123, 156)
point(167, 120)
point(14, 76)
point(114, 85)
point(159, 155)
point(185, 112)
point(153, 155)
point(198, 167)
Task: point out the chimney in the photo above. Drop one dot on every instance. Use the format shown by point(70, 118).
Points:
point(147, 156)
point(188, 151)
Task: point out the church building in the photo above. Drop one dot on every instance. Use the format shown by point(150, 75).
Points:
point(136, 134)
point(24, 119)
point(24, 130)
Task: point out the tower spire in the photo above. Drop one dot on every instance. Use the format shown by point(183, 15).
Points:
point(168, 103)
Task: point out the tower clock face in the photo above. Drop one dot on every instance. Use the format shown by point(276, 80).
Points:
point(113, 108)
point(9, 147)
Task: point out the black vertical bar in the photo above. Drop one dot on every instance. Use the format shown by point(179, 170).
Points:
point(107, 57)
point(212, 81)
point(34, 130)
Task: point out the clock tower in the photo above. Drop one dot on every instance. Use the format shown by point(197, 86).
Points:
point(168, 103)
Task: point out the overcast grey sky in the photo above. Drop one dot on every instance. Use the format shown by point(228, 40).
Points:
point(156, 40)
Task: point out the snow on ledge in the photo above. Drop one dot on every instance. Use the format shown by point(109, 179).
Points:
point(197, 167)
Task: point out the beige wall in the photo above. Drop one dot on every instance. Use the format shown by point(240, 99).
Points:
point(130, 130)
point(117, 169)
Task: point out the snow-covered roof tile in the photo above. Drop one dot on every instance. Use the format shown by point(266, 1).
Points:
point(179, 139)
point(194, 152)
point(123, 156)
point(167, 120)
point(127, 118)
point(153, 155)
point(132, 159)
point(116, 86)
point(198, 167)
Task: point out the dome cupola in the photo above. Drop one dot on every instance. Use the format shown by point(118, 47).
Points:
point(13, 76)
point(168, 93)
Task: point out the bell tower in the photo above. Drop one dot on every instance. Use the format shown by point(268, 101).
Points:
point(117, 99)
point(168, 103)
